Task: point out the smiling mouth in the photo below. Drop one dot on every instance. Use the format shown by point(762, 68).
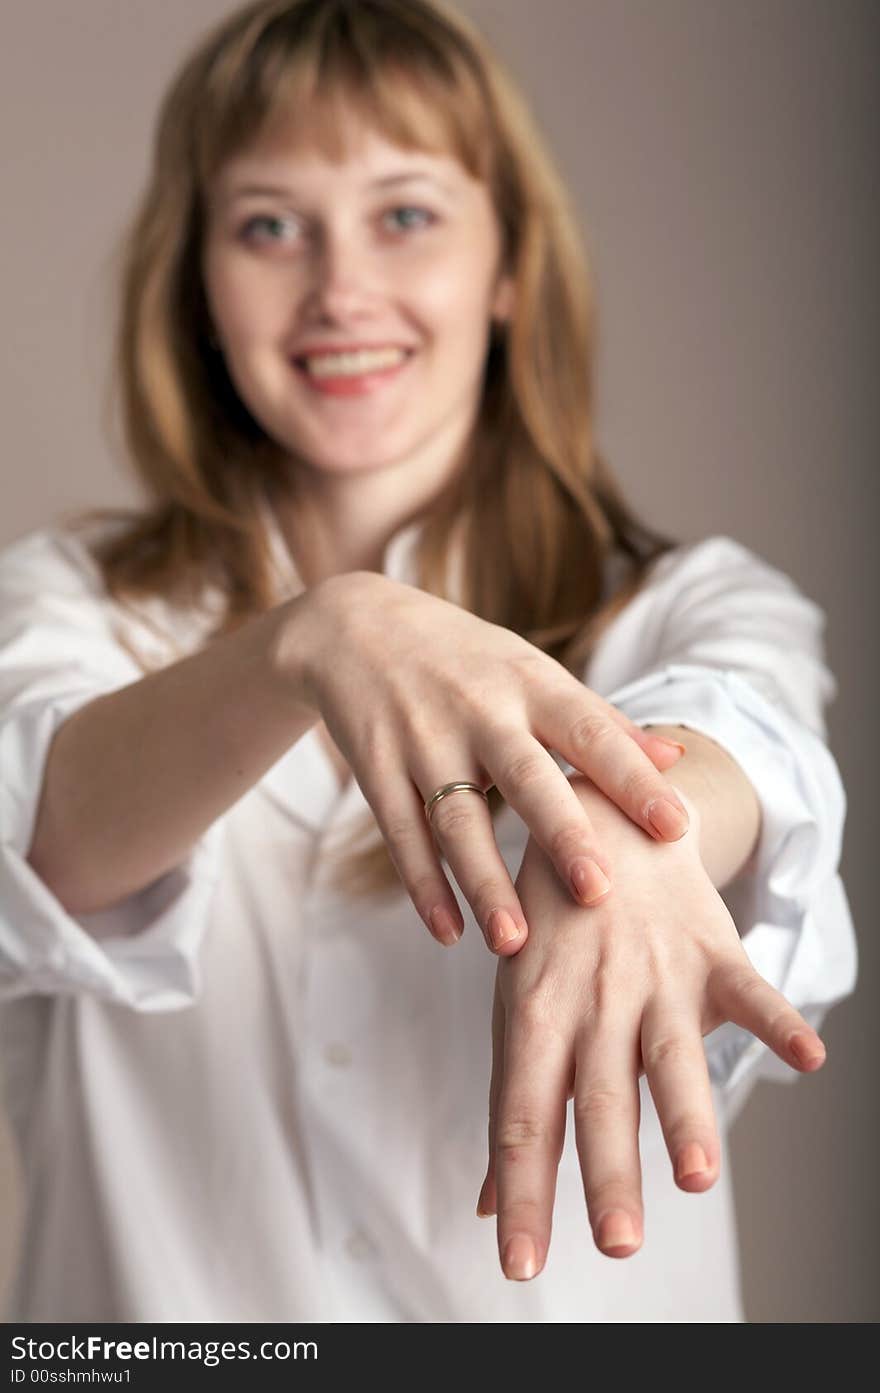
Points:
point(352, 374)
point(358, 363)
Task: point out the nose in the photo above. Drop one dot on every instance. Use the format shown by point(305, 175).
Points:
point(344, 275)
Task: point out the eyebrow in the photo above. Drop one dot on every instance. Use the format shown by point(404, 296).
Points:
point(387, 181)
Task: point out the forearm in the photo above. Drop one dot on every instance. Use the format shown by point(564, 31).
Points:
point(729, 808)
point(135, 777)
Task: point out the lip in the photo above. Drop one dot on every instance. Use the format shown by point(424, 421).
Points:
point(314, 349)
point(353, 386)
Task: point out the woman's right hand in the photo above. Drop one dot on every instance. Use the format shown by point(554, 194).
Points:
point(418, 692)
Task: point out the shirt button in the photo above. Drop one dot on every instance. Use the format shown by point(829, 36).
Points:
point(337, 1054)
point(360, 1246)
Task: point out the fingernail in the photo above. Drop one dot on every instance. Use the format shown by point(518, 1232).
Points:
point(444, 926)
point(589, 880)
point(481, 1212)
point(501, 928)
point(692, 1160)
point(616, 1230)
point(520, 1261)
point(672, 744)
point(668, 818)
point(803, 1047)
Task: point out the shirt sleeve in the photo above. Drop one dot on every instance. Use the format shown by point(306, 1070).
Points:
point(733, 649)
point(58, 651)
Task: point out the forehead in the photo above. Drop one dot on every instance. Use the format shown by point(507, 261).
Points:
point(315, 124)
point(362, 155)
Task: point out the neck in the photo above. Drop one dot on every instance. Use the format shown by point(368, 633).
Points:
point(334, 523)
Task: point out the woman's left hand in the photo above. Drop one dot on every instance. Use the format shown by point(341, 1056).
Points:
point(597, 997)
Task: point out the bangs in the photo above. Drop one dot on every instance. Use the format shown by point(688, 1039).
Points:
point(398, 68)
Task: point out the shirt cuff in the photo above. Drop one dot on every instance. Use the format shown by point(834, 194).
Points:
point(788, 902)
point(143, 951)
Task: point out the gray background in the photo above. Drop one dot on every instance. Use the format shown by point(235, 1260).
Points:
point(723, 157)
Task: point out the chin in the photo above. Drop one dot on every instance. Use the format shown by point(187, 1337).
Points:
point(338, 465)
point(339, 457)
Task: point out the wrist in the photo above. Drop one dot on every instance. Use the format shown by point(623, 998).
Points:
point(290, 649)
point(614, 825)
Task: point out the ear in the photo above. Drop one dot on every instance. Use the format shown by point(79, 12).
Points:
point(504, 299)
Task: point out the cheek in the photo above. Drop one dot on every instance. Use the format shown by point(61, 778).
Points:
point(450, 277)
point(453, 300)
point(243, 303)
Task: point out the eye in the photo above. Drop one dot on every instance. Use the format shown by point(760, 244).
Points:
point(406, 209)
point(263, 218)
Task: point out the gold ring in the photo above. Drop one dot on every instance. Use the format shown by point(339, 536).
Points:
point(452, 788)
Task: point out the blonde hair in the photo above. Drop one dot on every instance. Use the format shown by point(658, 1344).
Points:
point(541, 512)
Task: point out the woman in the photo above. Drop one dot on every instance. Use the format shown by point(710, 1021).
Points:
point(382, 570)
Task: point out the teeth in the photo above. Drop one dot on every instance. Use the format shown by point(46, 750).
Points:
point(350, 364)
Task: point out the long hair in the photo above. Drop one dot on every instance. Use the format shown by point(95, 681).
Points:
point(536, 506)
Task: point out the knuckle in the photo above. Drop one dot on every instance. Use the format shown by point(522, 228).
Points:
point(589, 730)
point(615, 1191)
point(782, 1022)
point(666, 1049)
point(487, 894)
point(425, 888)
point(567, 842)
point(596, 1103)
point(454, 814)
point(522, 768)
point(747, 984)
point(489, 885)
point(727, 979)
point(527, 658)
point(417, 725)
point(520, 1215)
point(639, 788)
point(691, 1127)
point(520, 1132)
point(533, 1010)
point(398, 828)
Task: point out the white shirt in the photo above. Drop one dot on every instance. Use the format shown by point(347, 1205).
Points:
point(248, 1101)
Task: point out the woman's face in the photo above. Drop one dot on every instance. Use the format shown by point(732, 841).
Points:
point(391, 250)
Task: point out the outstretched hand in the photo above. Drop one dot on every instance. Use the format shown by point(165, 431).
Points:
point(418, 693)
point(596, 998)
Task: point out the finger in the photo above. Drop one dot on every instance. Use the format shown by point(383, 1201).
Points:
point(487, 1204)
point(678, 1077)
point(531, 782)
point(606, 1116)
point(747, 999)
point(529, 1135)
point(594, 743)
point(462, 827)
point(400, 816)
point(661, 751)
